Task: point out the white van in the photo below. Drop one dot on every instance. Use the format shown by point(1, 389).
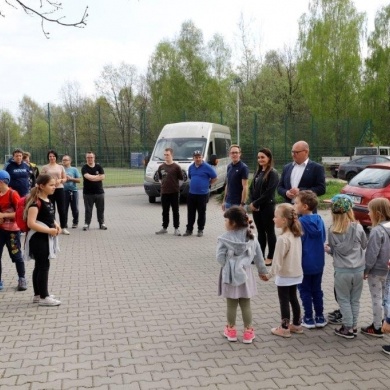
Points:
point(184, 138)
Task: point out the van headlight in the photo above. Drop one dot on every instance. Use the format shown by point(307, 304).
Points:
point(155, 177)
point(185, 176)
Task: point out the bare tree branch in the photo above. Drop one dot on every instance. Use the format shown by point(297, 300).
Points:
point(45, 15)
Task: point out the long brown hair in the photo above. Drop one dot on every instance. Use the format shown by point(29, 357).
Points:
point(270, 164)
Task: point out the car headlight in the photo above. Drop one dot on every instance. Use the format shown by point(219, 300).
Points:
point(185, 176)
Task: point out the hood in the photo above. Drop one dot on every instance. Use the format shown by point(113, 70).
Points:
point(312, 225)
point(236, 241)
point(344, 241)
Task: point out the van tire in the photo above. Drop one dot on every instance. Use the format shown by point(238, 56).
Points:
point(152, 199)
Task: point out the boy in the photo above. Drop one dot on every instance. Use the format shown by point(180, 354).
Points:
point(313, 259)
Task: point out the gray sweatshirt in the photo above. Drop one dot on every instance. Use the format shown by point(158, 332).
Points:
point(347, 248)
point(378, 250)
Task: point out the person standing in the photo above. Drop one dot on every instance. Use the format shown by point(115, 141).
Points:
point(170, 175)
point(34, 170)
point(9, 230)
point(57, 172)
point(71, 191)
point(19, 173)
point(262, 202)
point(236, 189)
point(93, 192)
point(301, 174)
point(202, 175)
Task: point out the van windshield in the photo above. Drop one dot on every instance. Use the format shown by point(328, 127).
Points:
point(183, 148)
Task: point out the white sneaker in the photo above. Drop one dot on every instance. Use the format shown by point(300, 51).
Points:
point(37, 298)
point(162, 231)
point(48, 301)
point(177, 232)
point(65, 231)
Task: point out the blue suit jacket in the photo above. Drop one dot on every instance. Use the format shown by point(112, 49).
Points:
point(313, 178)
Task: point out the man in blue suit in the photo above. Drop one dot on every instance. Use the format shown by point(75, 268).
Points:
point(301, 174)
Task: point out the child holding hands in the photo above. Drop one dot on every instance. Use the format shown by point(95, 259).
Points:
point(236, 249)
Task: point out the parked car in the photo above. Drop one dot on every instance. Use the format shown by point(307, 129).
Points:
point(351, 168)
point(372, 182)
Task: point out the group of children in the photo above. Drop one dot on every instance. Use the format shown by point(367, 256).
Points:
point(299, 262)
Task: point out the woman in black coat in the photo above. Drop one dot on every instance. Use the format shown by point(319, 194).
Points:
point(262, 198)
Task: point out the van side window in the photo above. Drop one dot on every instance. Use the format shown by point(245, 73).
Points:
point(222, 146)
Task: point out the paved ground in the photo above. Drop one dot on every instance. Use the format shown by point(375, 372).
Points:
point(140, 311)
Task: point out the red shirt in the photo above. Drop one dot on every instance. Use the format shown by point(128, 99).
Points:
point(8, 202)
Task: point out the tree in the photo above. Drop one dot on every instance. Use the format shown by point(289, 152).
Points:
point(9, 132)
point(46, 10)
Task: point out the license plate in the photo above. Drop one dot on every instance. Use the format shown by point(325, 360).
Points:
point(356, 199)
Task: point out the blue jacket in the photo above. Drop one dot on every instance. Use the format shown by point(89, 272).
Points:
point(313, 239)
point(20, 177)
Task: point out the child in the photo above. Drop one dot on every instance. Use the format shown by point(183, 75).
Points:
point(287, 266)
point(346, 243)
point(313, 259)
point(9, 230)
point(236, 249)
point(41, 241)
point(377, 256)
point(386, 322)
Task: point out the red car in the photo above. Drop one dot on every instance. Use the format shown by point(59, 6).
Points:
point(372, 182)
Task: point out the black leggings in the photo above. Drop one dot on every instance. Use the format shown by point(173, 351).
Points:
point(264, 221)
point(59, 198)
point(288, 295)
point(39, 249)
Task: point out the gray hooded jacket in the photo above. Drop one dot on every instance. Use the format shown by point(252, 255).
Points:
point(235, 253)
point(378, 250)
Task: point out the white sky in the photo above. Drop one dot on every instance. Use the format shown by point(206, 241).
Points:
point(129, 31)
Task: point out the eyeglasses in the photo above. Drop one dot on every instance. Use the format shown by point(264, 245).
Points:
point(65, 159)
point(234, 152)
point(297, 151)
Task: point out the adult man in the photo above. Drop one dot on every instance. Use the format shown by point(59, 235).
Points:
point(19, 173)
point(301, 174)
point(170, 174)
point(236, 189)
point(201, 175)
point(71, 191)
point(93, 193)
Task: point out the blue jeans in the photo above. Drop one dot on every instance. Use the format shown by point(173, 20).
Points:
point(12, 241)
point(72, 200)
point(312, 295)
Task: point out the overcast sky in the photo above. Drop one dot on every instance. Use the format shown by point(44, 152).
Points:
point(128, 30)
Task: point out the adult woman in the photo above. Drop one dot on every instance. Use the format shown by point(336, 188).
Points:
point(57, 172)
point(262, 198)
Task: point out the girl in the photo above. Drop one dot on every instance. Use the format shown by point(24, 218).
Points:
point(40, 244)
point(287, 267)
point(262, 197)
point(236, 249)
point(347, 241)
point(57, 171)
point(377, 256)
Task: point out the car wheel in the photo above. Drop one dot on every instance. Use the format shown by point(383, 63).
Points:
point(152, 199)
point(350, 176)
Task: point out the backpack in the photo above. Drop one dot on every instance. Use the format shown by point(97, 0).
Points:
point(19, 218)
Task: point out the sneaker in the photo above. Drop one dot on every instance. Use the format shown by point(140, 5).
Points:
point(354, 331)
point(308, 323)
point(85, 227)
point(22, 284)
point(162, 231)
point(187, 233)
point(279, 331)
point(336, 319)
point(320, 322)
point(344, 332)
point(48, 301)
point(334, 313)
point(295, 328)
point(386, 349)
point(248, 336)
point(1, 285)
point(74, 226)
point(37, 298)
point(371, 331)
point(230, 333)
point(65, 231)
point(200, 233)
point(177, 232)
point(102, 226)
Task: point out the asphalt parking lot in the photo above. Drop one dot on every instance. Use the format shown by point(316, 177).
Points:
point(141, 311)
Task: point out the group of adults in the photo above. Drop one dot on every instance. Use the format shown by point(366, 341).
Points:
point(300, 174)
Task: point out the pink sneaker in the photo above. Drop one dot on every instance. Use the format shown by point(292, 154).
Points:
point(248, 336)
point(279, 331)
point(230, 333)
point(295, 328)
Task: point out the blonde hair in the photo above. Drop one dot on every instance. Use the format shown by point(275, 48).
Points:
point(380, 210)
point(288, 212)
point(342, 221)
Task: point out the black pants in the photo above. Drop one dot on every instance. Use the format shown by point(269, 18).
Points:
point(59, 198)
point(264, 221)
point(39, 248)
point(98, 201)
point(72, 200)
point(196, 203)
point(288, 296)
point(168, 201)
